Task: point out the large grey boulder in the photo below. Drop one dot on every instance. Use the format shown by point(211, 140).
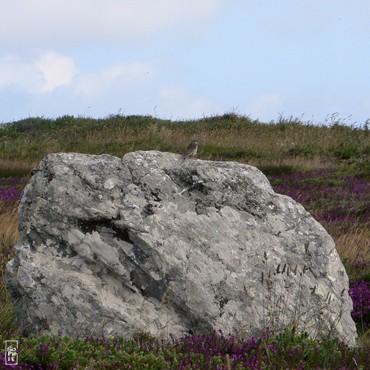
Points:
point(153, 243)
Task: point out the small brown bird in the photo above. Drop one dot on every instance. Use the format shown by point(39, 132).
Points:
point(191, 150)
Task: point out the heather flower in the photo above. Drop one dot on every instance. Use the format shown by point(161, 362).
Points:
point(359, 268)
point(11, 188)
point(9, 194)
point(360, 293)
point(329, 197)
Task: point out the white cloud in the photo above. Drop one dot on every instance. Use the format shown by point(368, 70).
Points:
point(36, 22)
point(48, 72)
point(57, 70)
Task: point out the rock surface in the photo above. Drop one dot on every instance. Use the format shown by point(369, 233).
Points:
point(153, 243)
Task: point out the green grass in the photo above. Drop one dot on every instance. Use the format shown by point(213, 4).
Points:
point(226, 137)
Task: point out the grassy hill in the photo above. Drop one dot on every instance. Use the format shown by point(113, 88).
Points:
point(326, 168)
point(288, 142)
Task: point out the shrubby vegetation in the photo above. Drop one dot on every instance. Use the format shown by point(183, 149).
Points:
point(226, 137)
point(326, 168)
point(287, 350)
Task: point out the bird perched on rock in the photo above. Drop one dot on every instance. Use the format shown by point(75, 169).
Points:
point(191, 150)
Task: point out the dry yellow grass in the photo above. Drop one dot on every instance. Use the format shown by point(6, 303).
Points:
point(303, 164)
point(13, 167)
point(353, 244)
point(9, 225)
point(8, 237)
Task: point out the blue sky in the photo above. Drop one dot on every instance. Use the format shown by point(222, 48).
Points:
point(181, 59)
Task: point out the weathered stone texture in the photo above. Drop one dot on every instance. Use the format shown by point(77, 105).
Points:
point(151, 243)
